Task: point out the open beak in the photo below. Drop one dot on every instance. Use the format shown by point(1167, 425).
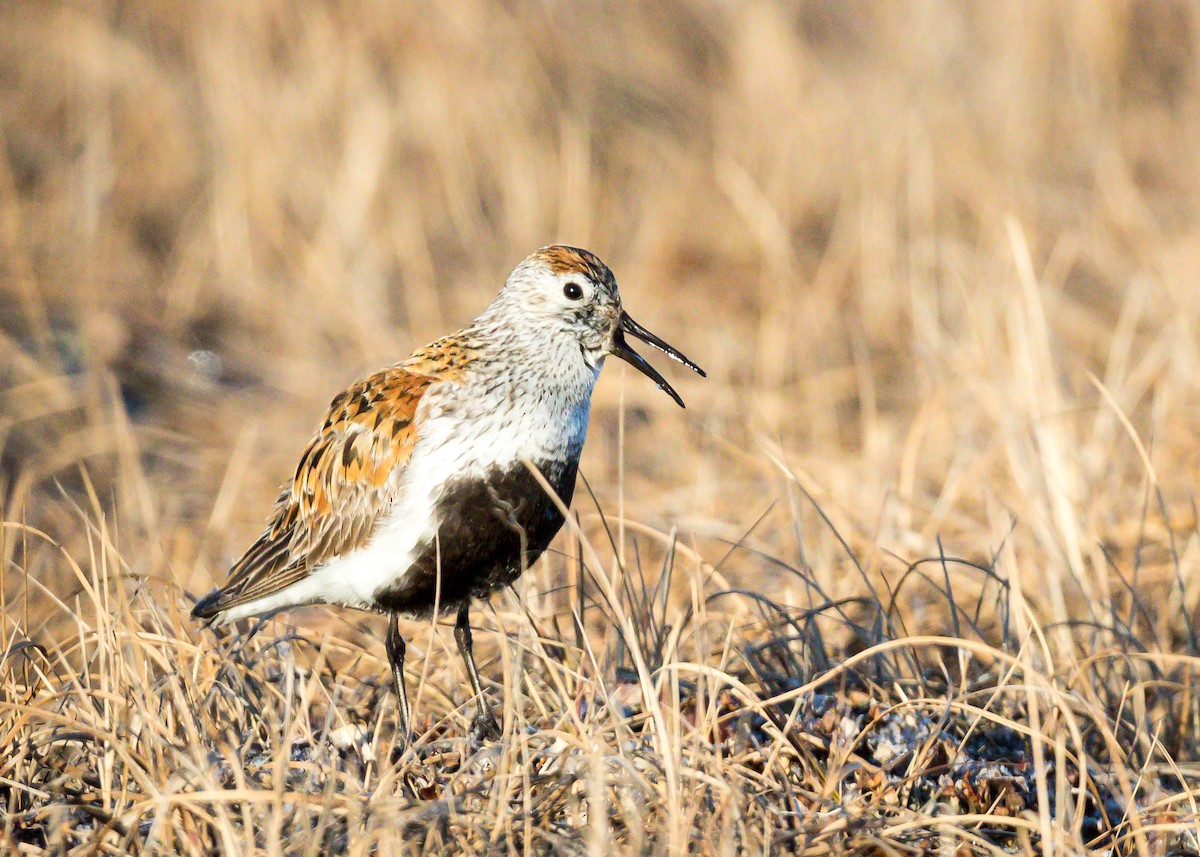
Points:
point(621, 348)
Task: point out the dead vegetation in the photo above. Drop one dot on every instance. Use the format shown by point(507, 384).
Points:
point(916, 571)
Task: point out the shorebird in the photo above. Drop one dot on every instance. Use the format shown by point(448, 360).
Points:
point(417, 494)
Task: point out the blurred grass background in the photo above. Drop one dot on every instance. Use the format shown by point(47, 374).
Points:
point(899, 237)
point(940, 260)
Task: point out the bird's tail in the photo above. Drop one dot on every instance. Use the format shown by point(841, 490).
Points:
point(262, 571)
point(209, 607)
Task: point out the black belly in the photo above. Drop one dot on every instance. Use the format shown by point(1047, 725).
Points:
point(491, 529)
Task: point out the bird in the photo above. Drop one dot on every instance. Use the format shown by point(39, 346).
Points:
point(418, 493)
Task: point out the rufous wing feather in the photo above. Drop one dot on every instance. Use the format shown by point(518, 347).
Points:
point(343, 485)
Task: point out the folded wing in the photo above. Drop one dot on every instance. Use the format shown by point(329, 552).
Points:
point(344, 484)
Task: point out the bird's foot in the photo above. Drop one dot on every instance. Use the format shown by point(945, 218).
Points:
point(404, 743)
point(484, 728)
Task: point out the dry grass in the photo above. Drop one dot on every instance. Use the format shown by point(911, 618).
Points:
point(916, 571)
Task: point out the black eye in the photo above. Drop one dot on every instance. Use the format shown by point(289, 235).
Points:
point(573, 291)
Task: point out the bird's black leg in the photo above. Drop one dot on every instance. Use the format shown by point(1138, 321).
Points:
point(395, 653)
point(484, 724)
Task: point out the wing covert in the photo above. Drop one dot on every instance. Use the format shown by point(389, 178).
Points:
point(341, 487)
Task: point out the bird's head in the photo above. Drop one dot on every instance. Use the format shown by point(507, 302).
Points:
point(567, 291)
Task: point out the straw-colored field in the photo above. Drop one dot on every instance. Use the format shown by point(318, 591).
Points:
point(917, 570)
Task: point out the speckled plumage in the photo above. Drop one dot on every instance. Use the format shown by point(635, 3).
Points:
point(417, 485)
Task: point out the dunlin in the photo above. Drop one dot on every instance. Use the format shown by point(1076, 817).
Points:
point(417, 492)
